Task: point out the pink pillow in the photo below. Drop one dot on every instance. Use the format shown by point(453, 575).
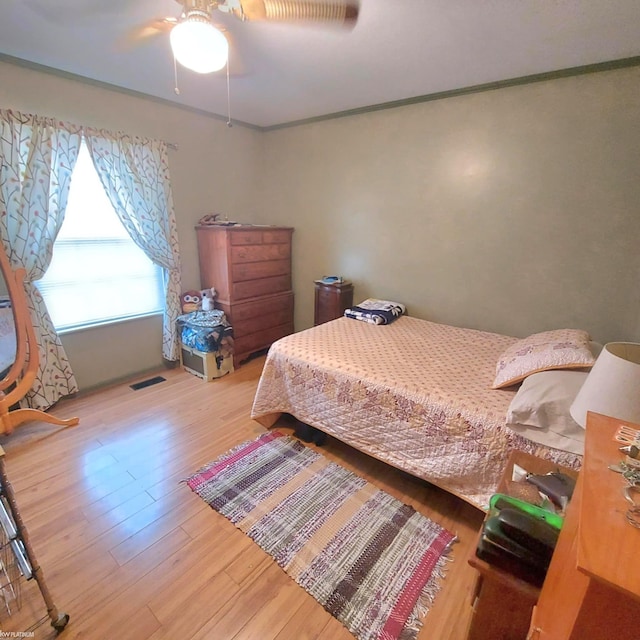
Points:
point(558, 349)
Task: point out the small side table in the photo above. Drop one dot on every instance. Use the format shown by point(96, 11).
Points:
point(502, 602)
point(332, 300)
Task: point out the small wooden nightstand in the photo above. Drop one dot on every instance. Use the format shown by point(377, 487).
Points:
point(592, 588)
point(332, 300)
point(502, 602)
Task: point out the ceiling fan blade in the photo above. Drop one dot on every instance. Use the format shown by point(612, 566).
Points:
point(146, 31)
point(341, 12)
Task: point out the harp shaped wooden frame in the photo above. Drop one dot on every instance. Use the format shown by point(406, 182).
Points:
point(21, 374)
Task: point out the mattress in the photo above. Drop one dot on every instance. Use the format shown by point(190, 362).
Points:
point(415, 394)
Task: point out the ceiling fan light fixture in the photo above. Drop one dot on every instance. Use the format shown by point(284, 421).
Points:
point(198, 45)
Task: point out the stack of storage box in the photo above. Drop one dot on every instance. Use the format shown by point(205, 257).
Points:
point(206, 344)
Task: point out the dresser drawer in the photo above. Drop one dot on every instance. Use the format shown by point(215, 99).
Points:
point(245, 236)
point(276, 236)
point(259, 236)
point(258, 252)
point(259, 324)
point(325, 295)
point(264, 269)
point(245, 345)
point(261, 287)
point(263, 307)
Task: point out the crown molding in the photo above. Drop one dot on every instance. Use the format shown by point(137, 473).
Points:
point(489, 86)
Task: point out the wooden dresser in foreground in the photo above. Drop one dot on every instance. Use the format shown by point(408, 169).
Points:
point(592, 588)
point(250, 268)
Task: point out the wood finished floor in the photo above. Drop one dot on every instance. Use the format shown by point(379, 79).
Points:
point(129, 552)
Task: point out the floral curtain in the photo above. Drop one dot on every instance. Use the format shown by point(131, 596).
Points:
point(37, 157)
point(135, 175)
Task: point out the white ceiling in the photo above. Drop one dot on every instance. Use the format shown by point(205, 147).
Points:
point(398, 50)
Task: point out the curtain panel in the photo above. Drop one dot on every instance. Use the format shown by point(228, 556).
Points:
point(37, 157)
point(135, 175)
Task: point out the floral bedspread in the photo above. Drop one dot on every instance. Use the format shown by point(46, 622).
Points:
point(415, 394)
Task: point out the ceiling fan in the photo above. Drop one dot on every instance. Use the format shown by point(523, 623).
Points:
point(201, 45)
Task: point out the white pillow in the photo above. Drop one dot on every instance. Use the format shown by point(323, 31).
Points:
point(595, 348)
point(540, 410)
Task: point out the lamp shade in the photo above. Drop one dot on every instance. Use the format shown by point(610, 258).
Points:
point(198, 45)
point(612, 387)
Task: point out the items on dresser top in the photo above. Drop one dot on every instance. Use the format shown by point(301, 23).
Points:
point(330, 280)
point(250, 268)
point(627, 435)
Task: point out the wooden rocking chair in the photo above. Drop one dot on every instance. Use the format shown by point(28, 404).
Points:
point(20, 376)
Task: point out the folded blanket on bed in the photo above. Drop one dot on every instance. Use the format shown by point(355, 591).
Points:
point(376, 311)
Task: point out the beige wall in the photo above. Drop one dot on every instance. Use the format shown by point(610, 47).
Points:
point(515, 210)
point(214, 170)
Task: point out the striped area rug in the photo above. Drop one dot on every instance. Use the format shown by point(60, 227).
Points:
point(371, 561)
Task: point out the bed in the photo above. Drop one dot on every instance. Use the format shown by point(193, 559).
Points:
point(414, 394)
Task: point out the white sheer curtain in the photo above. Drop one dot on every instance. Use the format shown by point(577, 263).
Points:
point(135, 175)
point(37, 157)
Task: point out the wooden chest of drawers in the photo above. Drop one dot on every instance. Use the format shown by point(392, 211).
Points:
point(250, 268)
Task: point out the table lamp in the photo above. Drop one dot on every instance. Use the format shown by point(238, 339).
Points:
point(612, 387)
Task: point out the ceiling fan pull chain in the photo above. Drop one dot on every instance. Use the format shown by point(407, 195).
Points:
point(229, 123)
point(175, 77)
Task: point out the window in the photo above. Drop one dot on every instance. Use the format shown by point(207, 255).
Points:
point(97, 274)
